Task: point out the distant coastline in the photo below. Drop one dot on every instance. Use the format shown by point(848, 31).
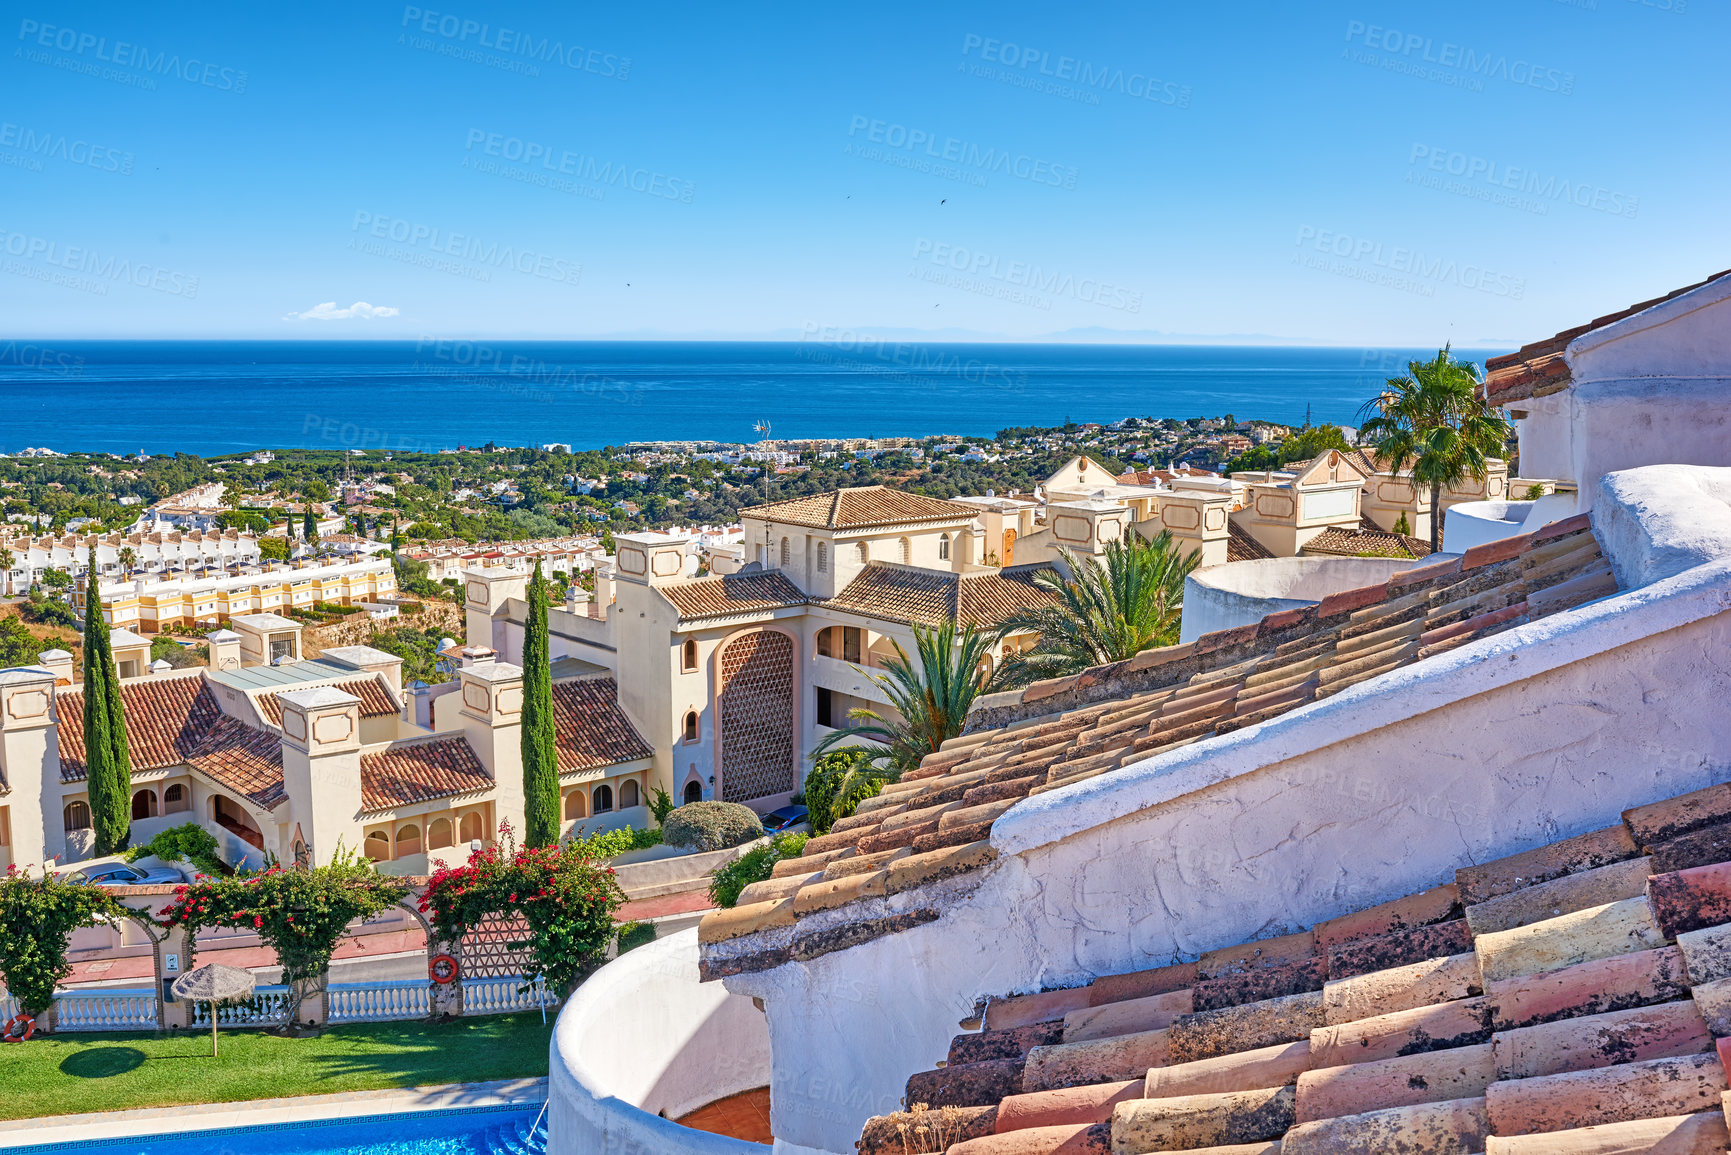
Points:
point(214, 397)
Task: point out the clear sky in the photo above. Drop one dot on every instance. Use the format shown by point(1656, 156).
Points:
point(1353, 173)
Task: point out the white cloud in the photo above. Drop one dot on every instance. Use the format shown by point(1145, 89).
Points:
point(328, 311)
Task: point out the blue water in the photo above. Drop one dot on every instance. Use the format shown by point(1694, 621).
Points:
point(213, 397)
point(462, 1131)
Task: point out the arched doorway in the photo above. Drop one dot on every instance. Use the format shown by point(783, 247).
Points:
point(693, 791)
point(756, 716)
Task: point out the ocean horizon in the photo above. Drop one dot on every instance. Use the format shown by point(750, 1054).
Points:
point(216, 397)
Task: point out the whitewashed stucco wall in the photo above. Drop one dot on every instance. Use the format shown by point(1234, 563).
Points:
point(1381, 791)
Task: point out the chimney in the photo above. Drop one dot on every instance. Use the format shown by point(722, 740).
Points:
point(59, 663)
point(30, 762)
point(321, 762)
point(224, 649)
point(604, 587)
point(492, 719)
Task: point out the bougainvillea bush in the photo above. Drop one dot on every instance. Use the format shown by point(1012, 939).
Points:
point(300, 914)
point(563, 891)
point(37, 917)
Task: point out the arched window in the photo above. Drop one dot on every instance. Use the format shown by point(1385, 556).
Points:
point(944, 548)
point(688, 655)
point(823, 642)
point(143, 804)
point(77, 815)
point(377, 846)
point(408, 840)
point(691, 725)
point(603, 799)
point(471, 827)
point(905, 551)
point(786, 553)
point(863, 552)
point(823, 557)
point(628, 793)
point(694, 791)
point(438, 833)
point(576, 805)
point(175, 799)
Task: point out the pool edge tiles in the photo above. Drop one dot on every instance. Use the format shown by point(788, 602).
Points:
point(171, 1142)
point(53, 1132)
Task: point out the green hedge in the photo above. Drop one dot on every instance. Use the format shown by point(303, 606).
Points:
point(754, 865)
point(635, 934)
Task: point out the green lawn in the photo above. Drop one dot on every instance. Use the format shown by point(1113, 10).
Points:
point(74, 1073)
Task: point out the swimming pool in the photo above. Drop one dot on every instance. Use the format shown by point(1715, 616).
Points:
point(503, 1130)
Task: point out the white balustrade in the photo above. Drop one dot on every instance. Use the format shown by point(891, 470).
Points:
point(379, 1002)
point(267, 1007)
point(501, 993)
point(105, 1010)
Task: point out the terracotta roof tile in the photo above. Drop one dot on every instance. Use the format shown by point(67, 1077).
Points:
point(1240, 546)
point(1538, 368)
point(1368, 540)
point(735, 594)
point(420, 772)
point(907, 594)
point(166, 721)
point(591, 729)
point(864, 507)
point(242, 759)
point(377, 701)
point(1577, 1031)
point(1093, 723)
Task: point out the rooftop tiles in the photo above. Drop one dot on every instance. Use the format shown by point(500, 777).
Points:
point(1565, 1030)
point(1066, 730)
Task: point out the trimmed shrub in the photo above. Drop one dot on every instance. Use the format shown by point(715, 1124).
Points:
point(635, 934)
point(711, 825)
point(754, 865)
point(186, 843)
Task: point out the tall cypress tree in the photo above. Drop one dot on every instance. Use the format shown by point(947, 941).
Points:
point(540, 757)
point(309, 527)
point(107, 758)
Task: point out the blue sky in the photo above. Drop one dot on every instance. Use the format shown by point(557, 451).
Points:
point(1349, 173)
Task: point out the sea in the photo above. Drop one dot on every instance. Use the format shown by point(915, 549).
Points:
point(216, 397)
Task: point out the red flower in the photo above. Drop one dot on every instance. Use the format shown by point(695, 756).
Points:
point(257, 921)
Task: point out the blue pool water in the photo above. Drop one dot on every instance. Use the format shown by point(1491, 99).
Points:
point(457, 1131)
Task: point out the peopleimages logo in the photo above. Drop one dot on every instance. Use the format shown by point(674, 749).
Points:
point(924, 147)
point(1512, 185)
point(122, 54)
point(460, 31)
point(86, 269)
point(980, 271)
point(1069, 71)
point(464, 247)
point(1409, 51)
point(579, 166)
point(39, 145)
point(1396, 267)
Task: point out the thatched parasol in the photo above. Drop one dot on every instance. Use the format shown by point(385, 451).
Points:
point(215, 984)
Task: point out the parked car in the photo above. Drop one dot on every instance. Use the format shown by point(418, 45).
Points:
point(125, 874)
point(785, 819)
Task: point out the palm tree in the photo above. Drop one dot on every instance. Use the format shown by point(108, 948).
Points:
point(6, 560)
point(1106, 610)
point(931, 701)
point(128, 559)
point(1437, 421)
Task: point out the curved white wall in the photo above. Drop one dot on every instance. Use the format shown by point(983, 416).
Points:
point(1242, 592)
point(642, 1039)
point(1477, 522)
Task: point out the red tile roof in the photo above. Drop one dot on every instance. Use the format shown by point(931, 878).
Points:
point(418, 773)
point(1240, 546)
point(1564, 1000)
point(862, 507)
point(166, 721)
point(1368, 540)
point(906, 594)
point(736, 594)
point(1538, 368)
point(591, 729)
point(1070, 729)
point(374, 693)
point(242, 759)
